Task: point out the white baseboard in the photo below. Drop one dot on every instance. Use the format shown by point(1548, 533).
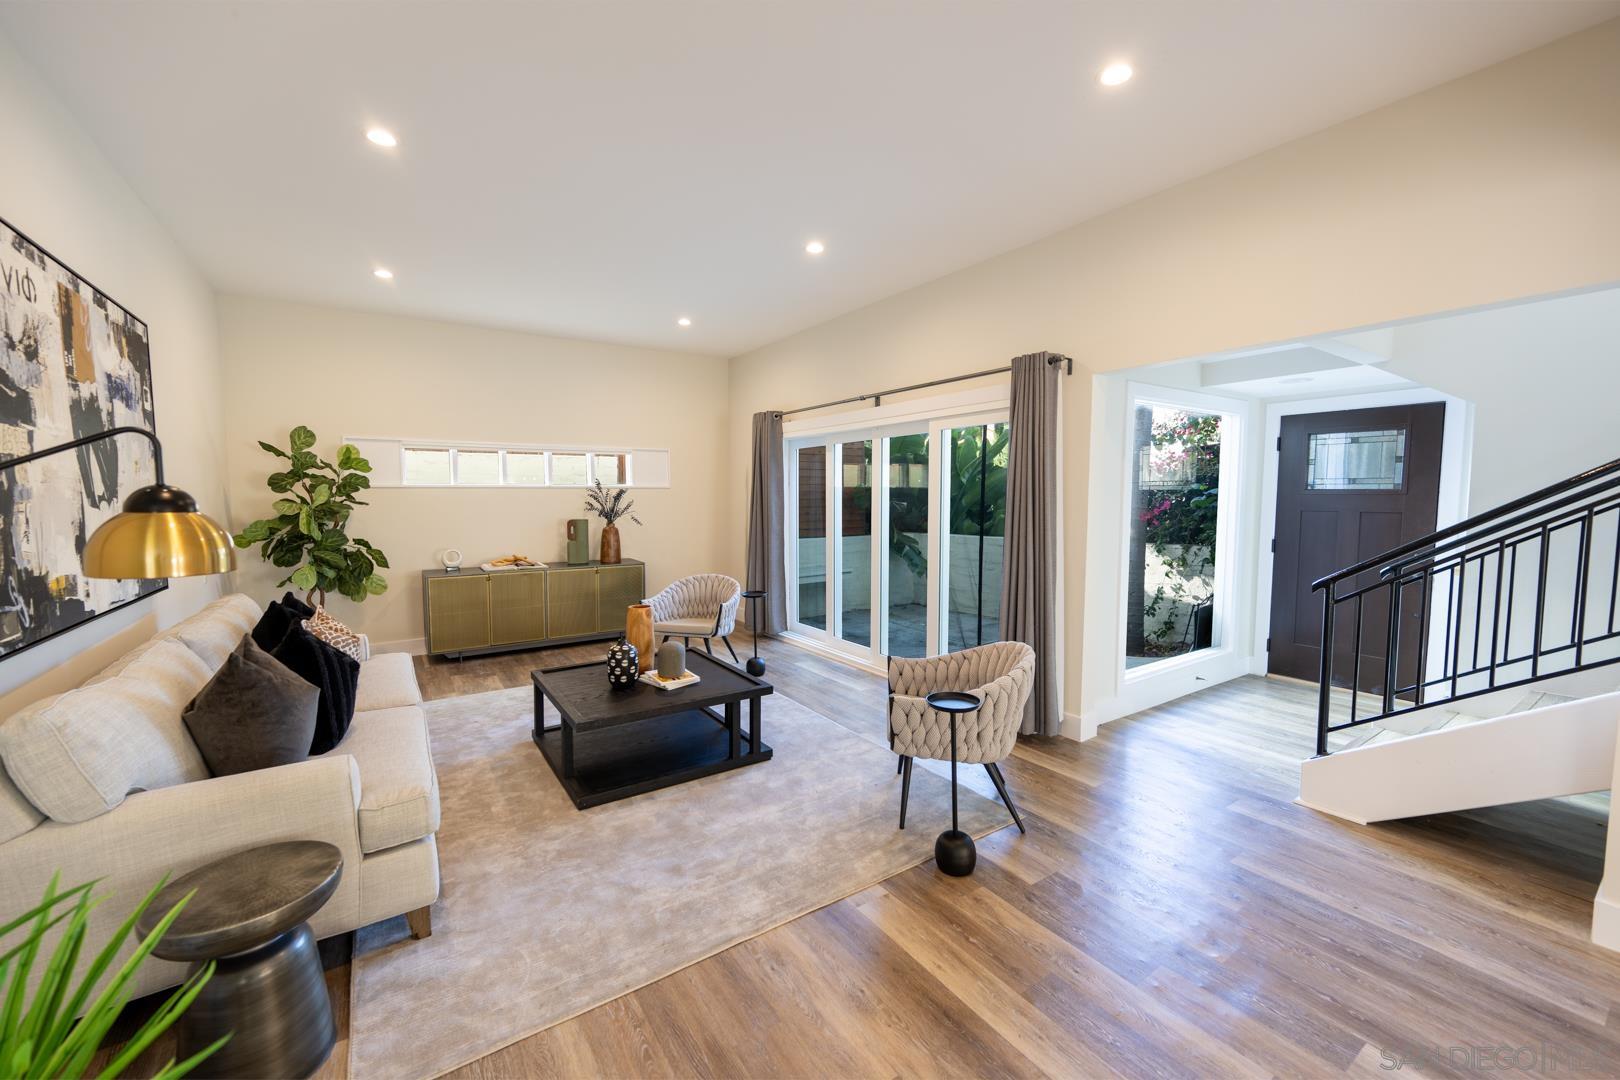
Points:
point(1605, 922)
point(415, 646)
point(821, 650)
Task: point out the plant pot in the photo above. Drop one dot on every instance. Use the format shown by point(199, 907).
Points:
point(610, 544)
point(638, 630)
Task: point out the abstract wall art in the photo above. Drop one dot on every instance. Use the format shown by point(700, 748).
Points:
point(72, 363)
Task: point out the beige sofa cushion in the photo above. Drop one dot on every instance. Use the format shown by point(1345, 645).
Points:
point(214, 632)
point(387, 681)
point(17, 814)
point(399, 795)
point(78, 754)
point(204, 633)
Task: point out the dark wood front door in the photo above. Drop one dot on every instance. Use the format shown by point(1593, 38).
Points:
point(1350, 486)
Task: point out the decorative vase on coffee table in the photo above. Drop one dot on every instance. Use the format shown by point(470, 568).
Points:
point(638, 630)
point(622, 669)
point(610, 544)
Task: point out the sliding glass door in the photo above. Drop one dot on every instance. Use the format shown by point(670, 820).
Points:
point(810, 536)
point(896, 536)
point(976, 501)
point(905, 581)
point(854, 585)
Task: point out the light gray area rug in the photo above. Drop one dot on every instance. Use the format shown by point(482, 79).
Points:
point(548, 911)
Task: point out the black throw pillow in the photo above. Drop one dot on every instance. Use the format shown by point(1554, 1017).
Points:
point(279, 617)
point(333, 672)
point(253, 714)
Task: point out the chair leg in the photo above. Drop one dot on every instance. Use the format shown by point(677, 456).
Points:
point(905, 788)
point(899, 763)
point(1001, 785)
point(730, 650)
point(688, 642)
point(707, 647)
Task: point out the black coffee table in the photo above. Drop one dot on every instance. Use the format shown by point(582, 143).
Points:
point(612, 744)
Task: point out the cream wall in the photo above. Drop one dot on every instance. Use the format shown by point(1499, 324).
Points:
point(349, 373)
point(1496, 186)
point(56, 186)
point(1544, 380)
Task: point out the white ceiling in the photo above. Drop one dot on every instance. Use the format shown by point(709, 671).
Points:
point(598, 169)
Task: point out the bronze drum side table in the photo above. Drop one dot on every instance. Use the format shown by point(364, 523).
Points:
point(250, 916)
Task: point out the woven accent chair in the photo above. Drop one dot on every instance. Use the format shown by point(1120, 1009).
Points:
point(701, 606)
point(1000, 674)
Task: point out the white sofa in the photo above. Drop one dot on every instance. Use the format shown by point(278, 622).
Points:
point(104, 782)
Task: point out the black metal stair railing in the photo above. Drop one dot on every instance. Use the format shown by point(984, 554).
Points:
point(1521, 593)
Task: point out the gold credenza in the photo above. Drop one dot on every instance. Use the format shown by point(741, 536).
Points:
point(470, 611)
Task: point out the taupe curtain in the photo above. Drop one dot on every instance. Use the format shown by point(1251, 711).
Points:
point(766, 562)
point(1031, 586)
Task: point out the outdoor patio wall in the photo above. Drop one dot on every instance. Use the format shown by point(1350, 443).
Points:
point(1496, 186)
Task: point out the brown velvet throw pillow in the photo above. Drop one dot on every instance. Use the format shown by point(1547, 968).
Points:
point(253, 714)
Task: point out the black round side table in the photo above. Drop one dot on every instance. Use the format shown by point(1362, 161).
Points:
point(249, 917)
point(953, 851)
point(756, 666)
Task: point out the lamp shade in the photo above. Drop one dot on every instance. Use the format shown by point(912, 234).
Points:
point(159, 534)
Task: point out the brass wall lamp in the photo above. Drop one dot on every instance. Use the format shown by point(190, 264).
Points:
point(160, 533)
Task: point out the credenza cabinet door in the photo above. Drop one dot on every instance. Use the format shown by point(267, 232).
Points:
point(517, 606)
point(571, 602)
point(458, 613)
point(617, 587)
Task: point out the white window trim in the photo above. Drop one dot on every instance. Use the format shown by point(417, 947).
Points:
point(932, 417)
point(1223, 649)
point(401, 444)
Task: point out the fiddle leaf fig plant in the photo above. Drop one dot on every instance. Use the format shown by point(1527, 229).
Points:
point(309, 532)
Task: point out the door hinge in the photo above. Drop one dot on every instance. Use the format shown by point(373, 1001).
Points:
point(1279, 442)
point(1268, 644)
point(1273, 543)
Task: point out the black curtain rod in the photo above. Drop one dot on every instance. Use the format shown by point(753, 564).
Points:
point(877, 398)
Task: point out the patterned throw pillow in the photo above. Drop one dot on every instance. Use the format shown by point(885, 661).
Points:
point(334, 633)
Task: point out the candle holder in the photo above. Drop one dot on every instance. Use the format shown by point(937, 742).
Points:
point(756, 666)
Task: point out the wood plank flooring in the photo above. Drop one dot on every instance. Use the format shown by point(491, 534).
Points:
point(1171, 912)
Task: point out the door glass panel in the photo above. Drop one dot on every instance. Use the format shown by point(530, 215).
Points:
point(811, 463)
point(1174, 501)
point(907, 577)
point(976, 502)
point(855, 542)
point(1356, 461)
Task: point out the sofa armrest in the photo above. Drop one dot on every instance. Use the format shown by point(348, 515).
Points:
point(174, 830)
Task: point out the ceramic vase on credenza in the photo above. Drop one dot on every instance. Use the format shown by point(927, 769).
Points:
point(610, 544)
point(638, 630)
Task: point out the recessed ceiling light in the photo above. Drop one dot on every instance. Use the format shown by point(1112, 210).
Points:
point(382, 137)
point(384, 273)
point(1116, 73)
point(815, 247)
point(683, 321)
